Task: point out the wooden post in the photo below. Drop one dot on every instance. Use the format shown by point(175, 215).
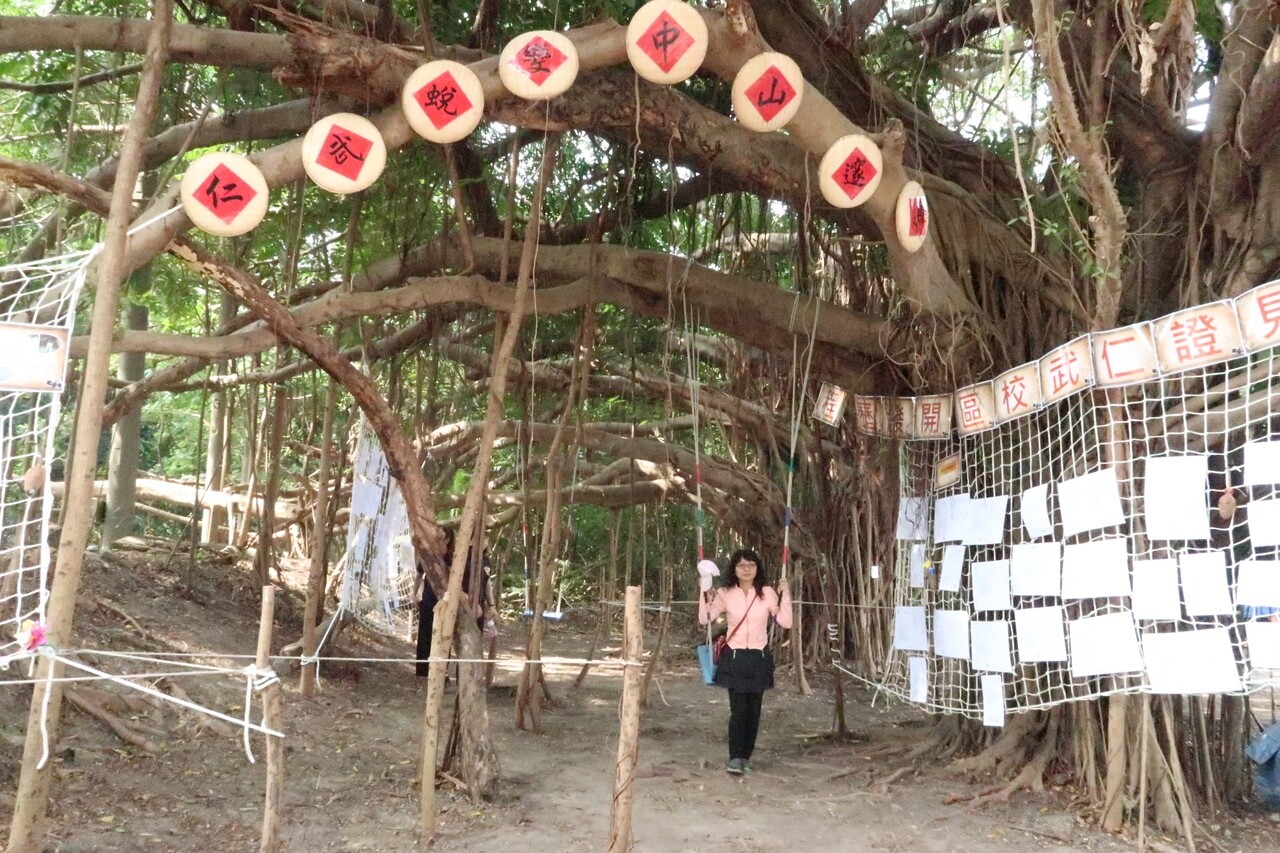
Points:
point(624, 778)
point(271, 718)
point(26, 830)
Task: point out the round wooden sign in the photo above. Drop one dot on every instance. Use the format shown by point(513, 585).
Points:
point(224, 194)
point(767, 91)
point(850, 170)
point(443, 101)
point(667, 41)
point(912, 217)
point(538, 65)
point(343, 153)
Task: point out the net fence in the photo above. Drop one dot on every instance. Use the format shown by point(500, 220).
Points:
point(37, 311)
point(378, 565)
point(1118, 540)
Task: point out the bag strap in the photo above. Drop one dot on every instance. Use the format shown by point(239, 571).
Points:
point(740, 621)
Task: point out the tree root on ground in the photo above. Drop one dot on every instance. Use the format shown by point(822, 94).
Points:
point(1030, 777)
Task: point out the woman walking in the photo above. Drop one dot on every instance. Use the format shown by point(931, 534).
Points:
point(745, 668)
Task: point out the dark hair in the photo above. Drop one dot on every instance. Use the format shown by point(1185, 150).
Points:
point(731, 575)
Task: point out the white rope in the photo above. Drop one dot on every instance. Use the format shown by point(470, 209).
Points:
point(256, 679)
point(162, 215)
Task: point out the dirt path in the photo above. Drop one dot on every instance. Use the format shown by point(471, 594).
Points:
point(352, 760)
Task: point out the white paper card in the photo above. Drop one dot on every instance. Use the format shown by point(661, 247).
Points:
point(1191, 662)
point(1041, 633)
point(1204, 584)
point(1096, 569)
point(951, 633)
point(919, 668)
point(952, 567)
point(909, 634)
point(1155, 589)
point(1264, 644)
point(1264, 522)
point(1176, 503)
point(993, 701)
point(917, 566)
point(1035, 512)
point(991, 646)
point(913, 519)
point(1259, 583)
point(990, 580)
point(950, 518)
point(1090, 502)
point(1104, 645)
point(1261, 463)
point(986, 520)
point(875, 571)
point(1035, 568)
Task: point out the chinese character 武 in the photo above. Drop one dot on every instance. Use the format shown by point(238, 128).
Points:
point(340, 148)
point(1063, 372)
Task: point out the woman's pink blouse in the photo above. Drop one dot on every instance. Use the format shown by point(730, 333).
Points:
point(734, 601)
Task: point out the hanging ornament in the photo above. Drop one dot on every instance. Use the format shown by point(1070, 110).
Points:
point(767, 91)
point(850, 171)
point(343, 153)
point(666, 41)
point(912, 217)
point(539, 65)
point(443, 101)
point(224, 194)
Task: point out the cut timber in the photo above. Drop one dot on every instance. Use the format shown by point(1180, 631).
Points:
point(185, 495)
point(624, 779)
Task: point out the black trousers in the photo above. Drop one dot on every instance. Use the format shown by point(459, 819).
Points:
point(744, 722)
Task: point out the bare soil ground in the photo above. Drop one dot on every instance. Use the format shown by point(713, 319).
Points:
point(352, 753)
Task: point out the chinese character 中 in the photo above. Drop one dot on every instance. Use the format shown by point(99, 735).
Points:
point(664, 38)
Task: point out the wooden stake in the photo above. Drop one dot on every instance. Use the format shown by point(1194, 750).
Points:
point(629, 732)
point(26, 831)
point(271, 718)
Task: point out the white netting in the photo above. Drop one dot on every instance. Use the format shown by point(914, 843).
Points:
point(378, 566)
point(1185, 582)
point(37, 310)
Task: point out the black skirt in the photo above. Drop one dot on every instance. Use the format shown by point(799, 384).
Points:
point(745, 670)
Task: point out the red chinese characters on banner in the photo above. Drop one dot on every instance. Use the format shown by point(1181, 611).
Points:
point(1259, 313)
point(855, 173)
point(1066, 370)
point(442, 100)
point(665, 42)
point(974, 408)
point(899, 416)
point(1124, 356)
point(1198, 336)
point(344, 152)
point(1017, 392)
point(830, 405)
point(224, 193)
point(538, 60)
point(864, 409)
point(933, 417)
point(770, 93)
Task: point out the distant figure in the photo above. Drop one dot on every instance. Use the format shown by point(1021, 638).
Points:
point(745, 668)
point(427, 600)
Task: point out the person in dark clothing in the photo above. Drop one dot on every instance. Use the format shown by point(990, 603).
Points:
point(426, 598)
